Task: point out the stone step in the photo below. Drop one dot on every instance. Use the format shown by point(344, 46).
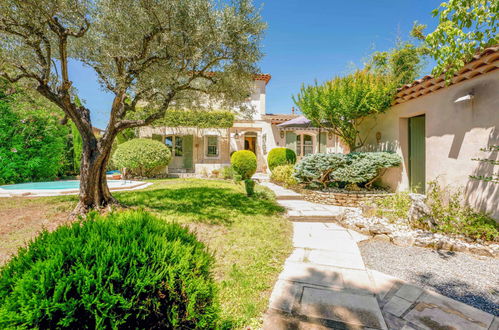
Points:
point(317, 218)
point(289, 197)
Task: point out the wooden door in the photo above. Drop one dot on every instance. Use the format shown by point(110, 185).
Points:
point(417, 154)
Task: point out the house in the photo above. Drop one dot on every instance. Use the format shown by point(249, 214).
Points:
point(440, 130)
point(202, 150)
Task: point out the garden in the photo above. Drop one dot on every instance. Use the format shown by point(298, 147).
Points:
point(189, 252)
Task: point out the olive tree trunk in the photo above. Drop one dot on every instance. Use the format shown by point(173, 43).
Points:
point(94, 192)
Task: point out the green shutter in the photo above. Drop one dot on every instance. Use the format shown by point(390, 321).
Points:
point(157, 137)
point(322, 142)
point(417, 150)
point(187, 146)
point(291, 141)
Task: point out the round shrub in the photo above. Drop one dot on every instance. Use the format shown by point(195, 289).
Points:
point(284, 174)
point(281, 156)
point(244, 163)
point(141, 156)
point(126, 270)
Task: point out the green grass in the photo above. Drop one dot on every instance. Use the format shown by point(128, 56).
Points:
point(248, 236)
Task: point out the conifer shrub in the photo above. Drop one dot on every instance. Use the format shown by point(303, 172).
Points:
point(141, 156)
point(244, 163)
point(280, 156)
point(356, 168)
point(124, 270)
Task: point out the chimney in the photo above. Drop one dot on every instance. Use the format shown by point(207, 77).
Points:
point(293, 110)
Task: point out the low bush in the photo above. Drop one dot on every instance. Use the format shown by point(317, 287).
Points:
point(126, 270)
point(141, 156)
point(227, 173)
point(451, 215)
point(281, 156)
point(284, 174)
point(354, 169)
point(244, 163)
point(394, 207)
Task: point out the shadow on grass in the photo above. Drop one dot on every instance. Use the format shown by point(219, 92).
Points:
point(203, 204)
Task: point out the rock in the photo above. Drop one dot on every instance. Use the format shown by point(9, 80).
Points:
point(419, 211)
point(403, 240)
point(482, 251)
point(379, 229)
point(459, 247)
point(360, 225)
point(382, 237)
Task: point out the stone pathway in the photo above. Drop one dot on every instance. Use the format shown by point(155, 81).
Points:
point(325, 284)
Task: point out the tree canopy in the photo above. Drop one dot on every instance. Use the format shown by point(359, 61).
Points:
point(166, 54)
point(342, 103)
point(465, 27)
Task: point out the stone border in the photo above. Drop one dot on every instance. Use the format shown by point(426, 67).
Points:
point(403, 235)
point(348, 199)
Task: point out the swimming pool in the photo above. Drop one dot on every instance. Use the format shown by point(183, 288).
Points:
point(61, 187)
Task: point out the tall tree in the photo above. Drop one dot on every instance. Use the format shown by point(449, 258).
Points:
point(340, 105)
point(161, 53)
point(465, 27)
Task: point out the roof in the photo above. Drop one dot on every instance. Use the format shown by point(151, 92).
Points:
point(482, 63)
point(278, 118)
point(300, 121)
point(263, 76)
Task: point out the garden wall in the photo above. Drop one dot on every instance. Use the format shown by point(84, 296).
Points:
point(350, 199)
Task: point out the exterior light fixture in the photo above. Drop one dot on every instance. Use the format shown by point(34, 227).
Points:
point(236, 135)
point(282, 134)
point(468, 97)
point(330, 135)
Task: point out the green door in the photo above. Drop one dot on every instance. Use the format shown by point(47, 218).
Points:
point(417, 150)
point(322, 141)
point(187, 146)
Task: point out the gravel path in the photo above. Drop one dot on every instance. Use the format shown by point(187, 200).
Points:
point(471, 279)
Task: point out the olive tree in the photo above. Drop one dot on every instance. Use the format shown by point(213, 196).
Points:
point(155, 54)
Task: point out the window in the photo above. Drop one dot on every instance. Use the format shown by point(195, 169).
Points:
point(298, 145)
point(212, 146)
point(169, 142)
point(178, 146)
point(308, 145)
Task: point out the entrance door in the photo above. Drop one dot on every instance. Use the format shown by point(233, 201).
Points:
point(417, 151)
point(181, 147)
point(250, 143)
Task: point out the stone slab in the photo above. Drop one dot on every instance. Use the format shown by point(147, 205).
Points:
point(336, 259)
point(409, 292)
point(357, 280)
point(433, 310)
point(382, 283)
point(342, 307)
point(397, 306)
point(284, 295)
point(312, 274)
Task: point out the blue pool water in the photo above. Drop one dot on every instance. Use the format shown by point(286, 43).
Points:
point(55, 185)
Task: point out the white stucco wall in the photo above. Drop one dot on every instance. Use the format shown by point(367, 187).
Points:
point(455, 133)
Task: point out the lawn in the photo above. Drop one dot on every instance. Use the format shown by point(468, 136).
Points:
point(248, 236)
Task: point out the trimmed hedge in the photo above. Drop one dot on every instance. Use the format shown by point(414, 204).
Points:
point(356, 168)
point(141, 156)
point(281, 156)
point(126, 270)
point(244, 163)
point(284, 174)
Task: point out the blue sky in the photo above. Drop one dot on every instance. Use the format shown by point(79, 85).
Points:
point(305, 40)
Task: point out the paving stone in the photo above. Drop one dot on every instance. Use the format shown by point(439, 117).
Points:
point(284, 295)
point(357, 280)
point(275, 321)
point(336, 259)
point(333, 226)
point(298, 255)
point(313, 274)
point(436, 311)
point(382, 283)
point(409, 292)
point(495, 324)
point(341, 307)
point(397, 306)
